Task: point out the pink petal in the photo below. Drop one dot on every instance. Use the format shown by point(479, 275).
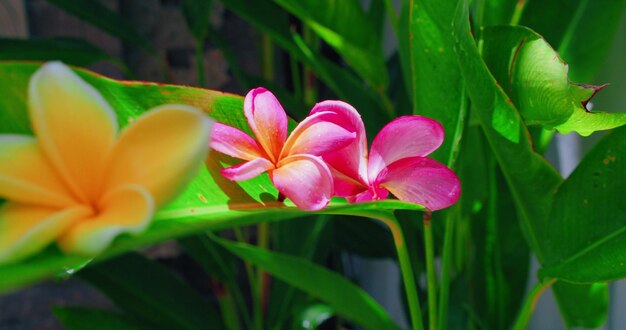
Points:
point(247, 170)
point(407, 136)
point(304, 179)
point(351, 160)
point(421, 180)
point(346, 186)
point(371, 194)
point(235, 143)
point(318, 134)
point(267, 119)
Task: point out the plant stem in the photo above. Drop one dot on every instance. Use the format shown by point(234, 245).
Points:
point(431, 275)
point(529, 304)
point(267, 57)
point(263, 242)
point(444, 290)
point(254, 290)
point(519, 10)
point(406, 269)
point(200, 62)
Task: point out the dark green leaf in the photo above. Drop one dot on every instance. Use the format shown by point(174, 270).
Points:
point(587, 228)
point(72, 51)
point(533, 182)
point(80, 318)
point(582, 305)
point(197, 15)
point(147, 290)
point(100, 16)
point(345, 26)
point(432, 71)
point(345, 298)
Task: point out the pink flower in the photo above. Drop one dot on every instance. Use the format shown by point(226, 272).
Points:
point(293, 163)
point(396, 163)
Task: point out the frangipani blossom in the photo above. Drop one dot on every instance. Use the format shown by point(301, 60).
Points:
point(396, 162)
point(293, 162)
point(81, 183)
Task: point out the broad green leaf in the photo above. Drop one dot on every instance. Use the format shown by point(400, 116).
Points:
point(496, 12)
point(587, 227)
point(582, 305)
point(147, 290)
point(536, 78)
point(345, 26)
point(581, 30)
point(532, 181)
point(271, 19)
point(100, 16)
point(210, 202)
point(80, 318)
point(347, 299)
point(431, 69)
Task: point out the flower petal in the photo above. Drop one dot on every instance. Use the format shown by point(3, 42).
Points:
point(351, 160)
point(127, 209)
point(304, 179)
point(27, 176)
point(421, 180)
point(247, 170)
point(318, 134)
point(371, 194)
point(235, 143)
point(407, 136)
point(161, 151)
point(26, 229)
point(75, 126)
point(345, 186)
point(267, 119)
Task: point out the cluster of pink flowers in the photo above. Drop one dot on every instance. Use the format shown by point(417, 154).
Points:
point(326, 155)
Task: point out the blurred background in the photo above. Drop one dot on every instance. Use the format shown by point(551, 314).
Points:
point(152, 40)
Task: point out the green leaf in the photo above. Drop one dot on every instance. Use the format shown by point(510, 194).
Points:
point(312, 316)
point(536, 78)
point(431, 69)
point(72, 51)
point(574, 27)
point(210, 202)
point(197, 16)
point(345, 26)
point(273, 20)
point(587, 227)
point(100, 16)
point(149, 291)
point(532, 181)
point(583, 305)
point(80, 318)
point(345, 298)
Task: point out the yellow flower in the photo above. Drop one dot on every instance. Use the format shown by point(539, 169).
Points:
point(80, 183)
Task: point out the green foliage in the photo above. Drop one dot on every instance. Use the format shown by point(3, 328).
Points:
point(151, 293)
point(344, 297)
point(79, 318)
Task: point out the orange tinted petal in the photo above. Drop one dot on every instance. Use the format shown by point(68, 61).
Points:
point(27, 176)
point(127, 209)
point(74, 125)
point(161, 151)
point(26, 229)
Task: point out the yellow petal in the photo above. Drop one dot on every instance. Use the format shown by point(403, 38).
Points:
point(127, 209)
point(75, 126)
point(27, 176)
point(161, 151)
point(26, 229)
